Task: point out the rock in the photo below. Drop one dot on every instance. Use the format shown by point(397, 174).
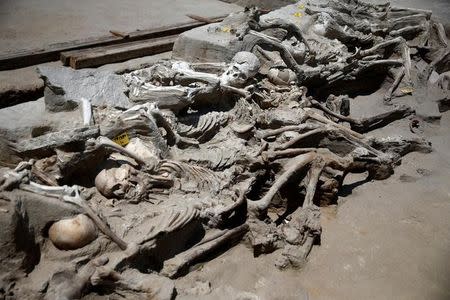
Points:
point(199, 288)
point(218, 42)
point(434, 77)
point(30, 119)
point(229, 292)
point(47, 142)
point(12, 93)
point(21, 85)
point(210, 43)
point(204, 44)
point(14, 254)
point(64, 88)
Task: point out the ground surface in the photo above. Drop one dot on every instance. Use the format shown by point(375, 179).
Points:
point(26, 24)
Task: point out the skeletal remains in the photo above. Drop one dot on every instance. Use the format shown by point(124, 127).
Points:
point(213, 152)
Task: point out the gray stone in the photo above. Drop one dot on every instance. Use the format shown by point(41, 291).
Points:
point(205, 44)
point(47, 142)
point(31, 119)
point(64, 88)
point(21, 85)
point(218, 43)
point(210, 43)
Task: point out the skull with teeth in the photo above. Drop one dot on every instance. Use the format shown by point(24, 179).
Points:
point(122, 182)
point(243, 66)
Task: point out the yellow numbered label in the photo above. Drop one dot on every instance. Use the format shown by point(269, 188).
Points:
point(407, 90)
point(122, 139)
point(226, 29)
point(298, 14)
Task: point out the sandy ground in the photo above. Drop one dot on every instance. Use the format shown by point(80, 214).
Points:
point(29, 24)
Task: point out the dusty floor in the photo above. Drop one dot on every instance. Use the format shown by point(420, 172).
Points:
point(26, 24)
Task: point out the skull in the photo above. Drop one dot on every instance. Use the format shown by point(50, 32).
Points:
point(115, 182)
point(322, 24)
point(73, 233)
point(243, 66)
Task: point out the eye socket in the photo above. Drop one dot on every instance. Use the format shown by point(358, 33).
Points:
point(116, 188)
point(243, 76)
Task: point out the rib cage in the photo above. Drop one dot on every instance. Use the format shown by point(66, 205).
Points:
point(206, 126)
point(170, 220)
point(203, 177)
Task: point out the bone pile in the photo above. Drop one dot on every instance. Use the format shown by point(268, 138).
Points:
point(208, 155)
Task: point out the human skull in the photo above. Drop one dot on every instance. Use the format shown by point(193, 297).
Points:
point(322, 24)
point(115, 182)
point(243, 66)
point(72, 233)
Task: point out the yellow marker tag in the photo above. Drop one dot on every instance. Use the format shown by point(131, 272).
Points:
point(226, 29)
point(122, 139)
point(298, 14)
point(407, 90)
point(301, 6)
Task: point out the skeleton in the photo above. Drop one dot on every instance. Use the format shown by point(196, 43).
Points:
point(152, 84)
point(122, 183)
point(319, 52)
point(217, 153)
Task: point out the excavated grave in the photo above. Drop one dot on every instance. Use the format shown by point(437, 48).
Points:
point(242, 141)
